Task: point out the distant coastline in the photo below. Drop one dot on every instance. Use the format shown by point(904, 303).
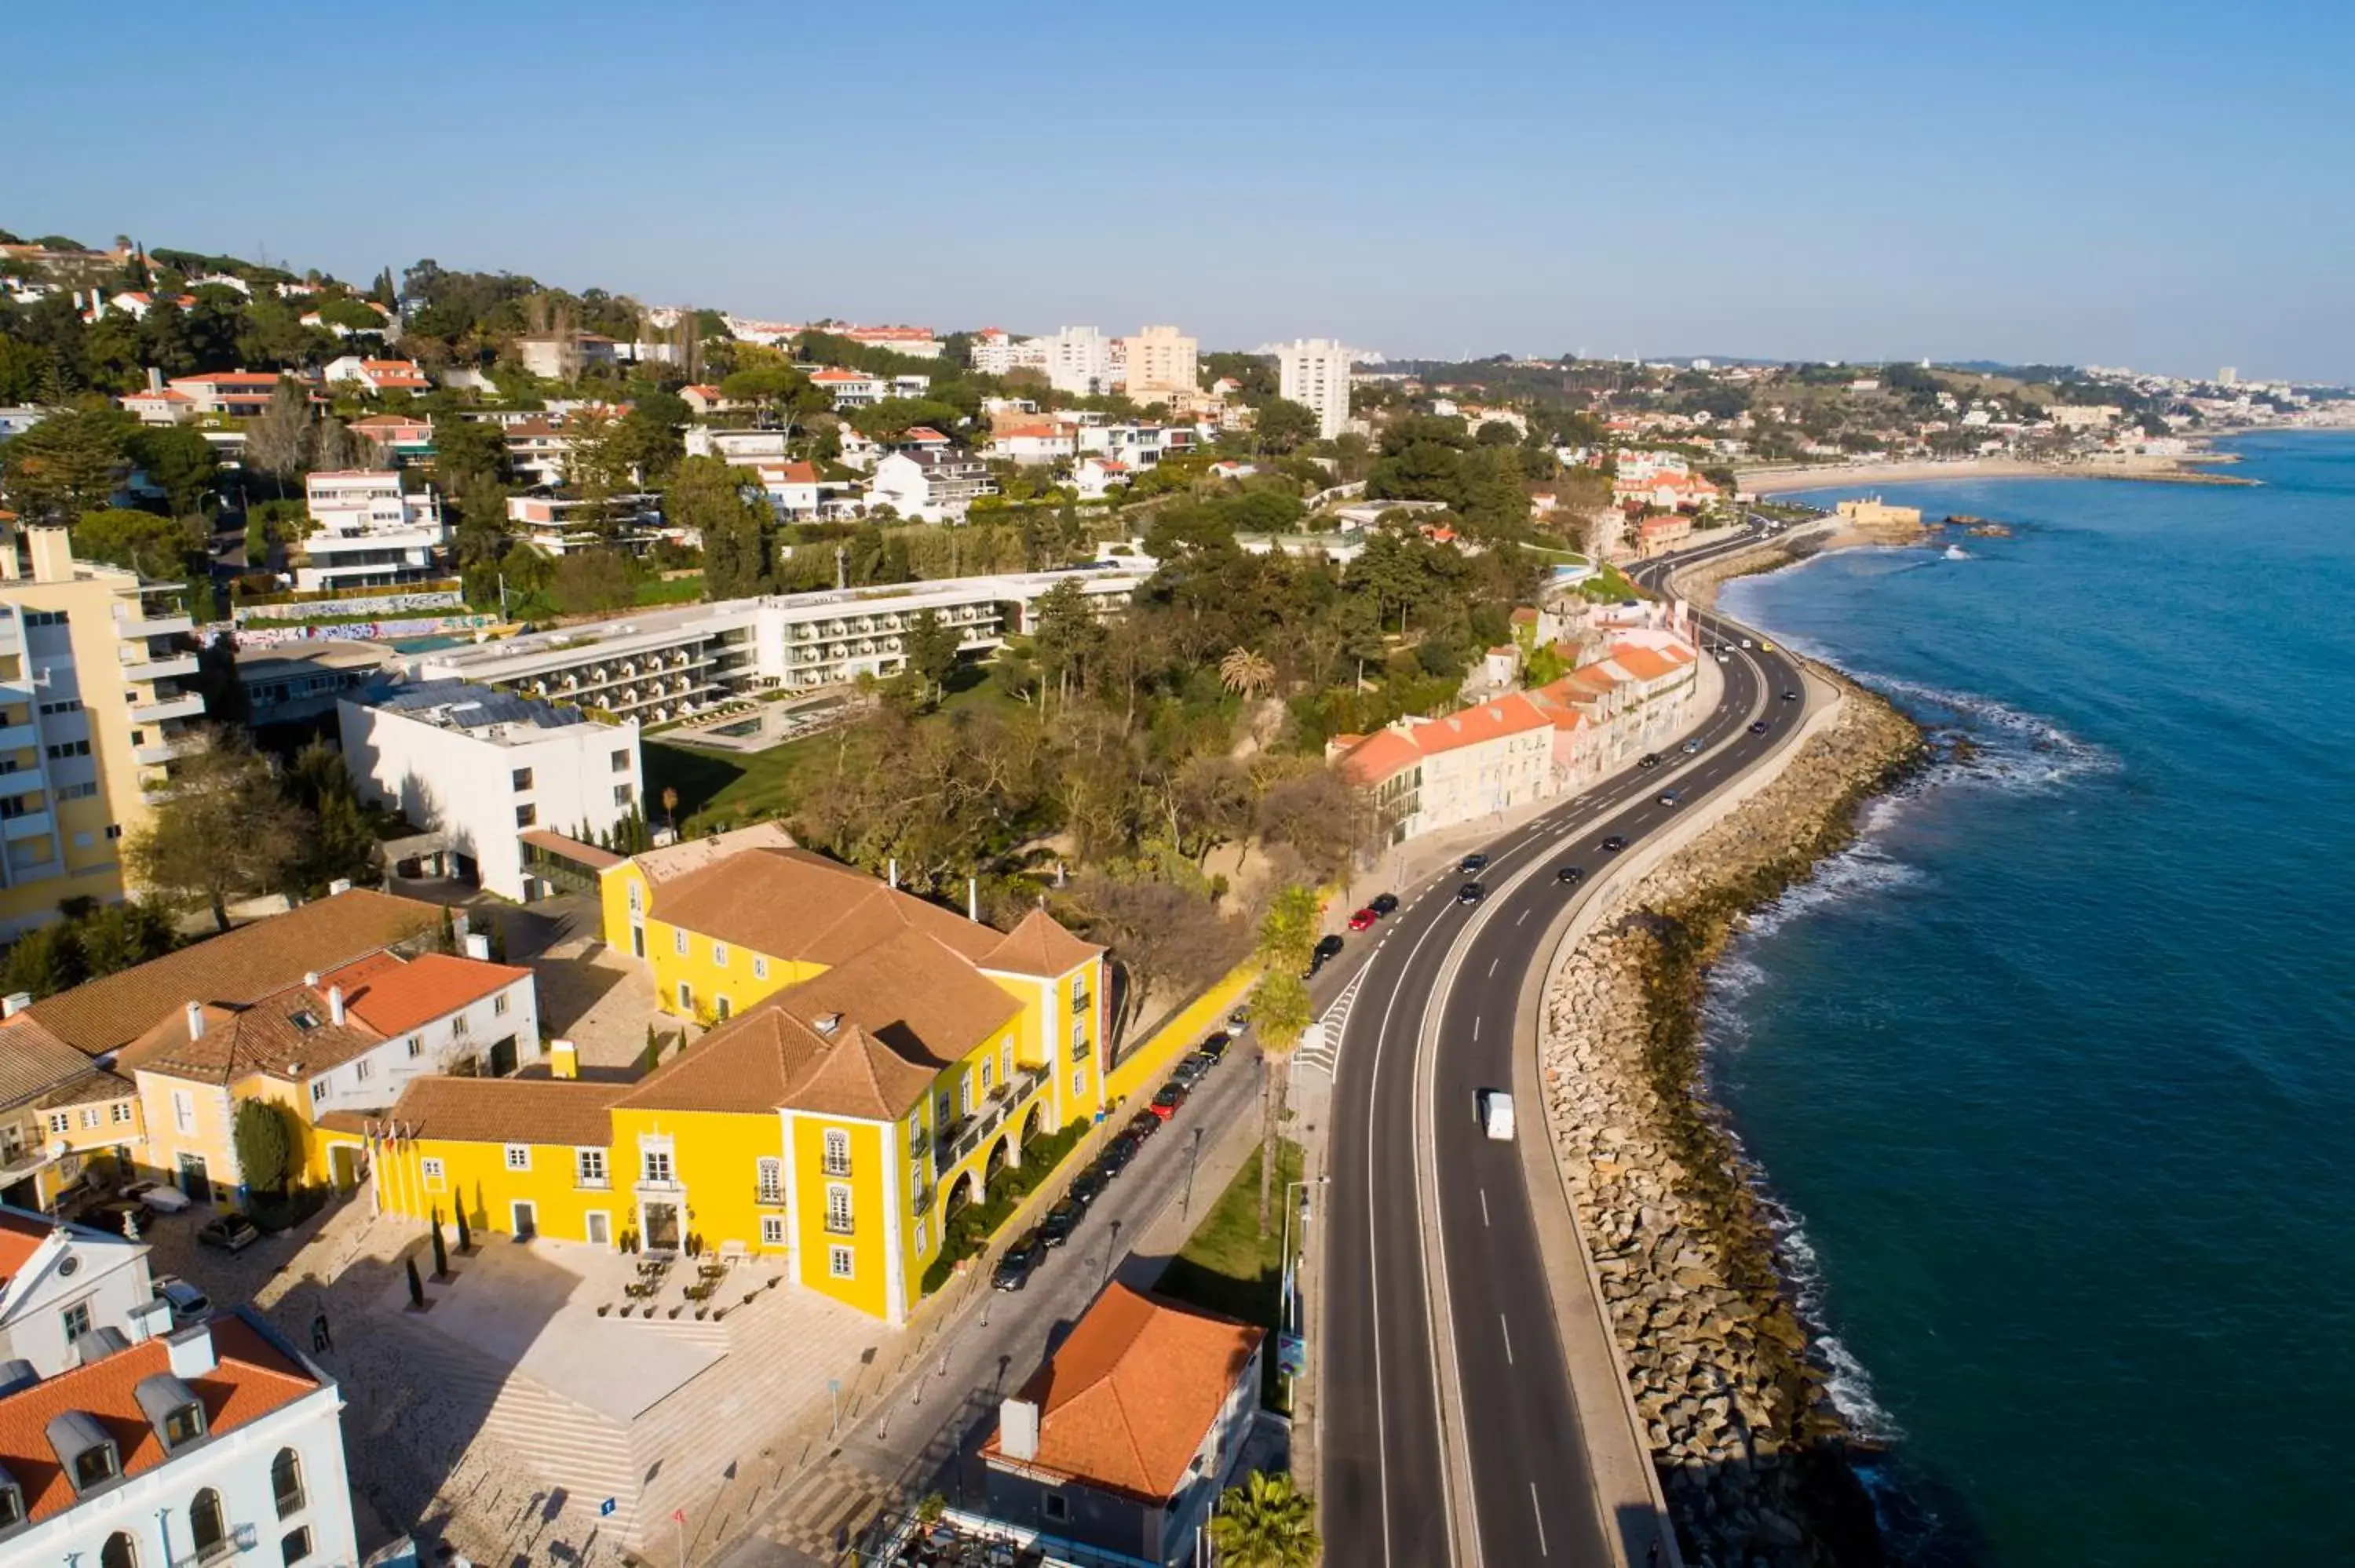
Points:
point(2190, 470)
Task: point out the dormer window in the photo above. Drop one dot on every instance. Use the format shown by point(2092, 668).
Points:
point(173, 1409)
point(84, 1451)
point(183, 1425)
point(94, 1466)
point(12, 1502)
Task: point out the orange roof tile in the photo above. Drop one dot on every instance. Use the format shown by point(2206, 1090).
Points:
point(561, 1111)
point(1038, 945)
point(1126, 1401)
point(393, 998)
point(252, 1378)
point(21, 1235)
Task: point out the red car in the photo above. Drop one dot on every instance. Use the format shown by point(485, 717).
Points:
point(1165, 1104)
point(1362, 919)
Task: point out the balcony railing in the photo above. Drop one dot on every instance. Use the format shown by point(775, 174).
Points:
point(769, 1197)
point(840, 1225)
point(837, 1167)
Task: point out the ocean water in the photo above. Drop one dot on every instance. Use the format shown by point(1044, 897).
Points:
point(2054, 1072)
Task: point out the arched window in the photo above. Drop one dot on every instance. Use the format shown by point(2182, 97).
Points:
point(204, 1524)
point(286, 1481)
point(837, 1153)
point(119, 1551)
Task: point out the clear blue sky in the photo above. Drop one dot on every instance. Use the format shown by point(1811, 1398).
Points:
point(2160, 184)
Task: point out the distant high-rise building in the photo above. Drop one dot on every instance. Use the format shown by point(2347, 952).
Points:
point(1079, 361)
point(93, 709)
point(2228, 376)
point(1161, 360)
point(1313, 372)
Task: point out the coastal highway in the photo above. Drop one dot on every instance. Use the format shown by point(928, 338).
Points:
point(1449, 1429)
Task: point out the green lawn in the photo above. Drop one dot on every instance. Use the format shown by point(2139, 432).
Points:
point(1610, 586)
point(1226, 1266)
point(736, 787)
point(674, 590)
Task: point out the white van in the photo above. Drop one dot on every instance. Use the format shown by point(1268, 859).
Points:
point(1495, 1109)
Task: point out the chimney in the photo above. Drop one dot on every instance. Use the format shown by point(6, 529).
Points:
point(563, 1059)
point(973, 899)
point(1018, 1429)
point(191, 1352)
point(341, 884)
point(478, 946)
point(335, 1006)
point(52, 553)
point(311, 979)
point(827, 1022)
point(195, 1021)
point(15, 1002)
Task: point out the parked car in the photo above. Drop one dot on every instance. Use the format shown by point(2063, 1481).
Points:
point(1165, 1103)
point(1570, 875)
point(1190, 1069)
point(1612, 845)
point(1056, 1227)
point(1328, 950)
point(1470, 892)
point(1471, 862)
point(1760, 727)
point(1143, 1125)
point(189, 1305)
point(1363, 920)
point(1669, 797)
point(160, 1196)
point(230, 1232)
point(111, 1216)
point(1214, 1045)
point(1118, 1153)
point(1013, 1267)
point(1384, 903)
point(1088, 1185)
point(1240, 1017)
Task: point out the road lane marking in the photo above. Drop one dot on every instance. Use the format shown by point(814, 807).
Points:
point(1492, 967)
point(1523, 916)
point(1506, 1329)
point(1475, 1027)
point(1484, 1206)
point(1540, 1514)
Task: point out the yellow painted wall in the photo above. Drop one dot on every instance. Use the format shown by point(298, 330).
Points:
point(476, 1174)
point(207, 1136)
point(875, 1230)
point(1143, 1067)
point(715, 1156)
point(743, 979)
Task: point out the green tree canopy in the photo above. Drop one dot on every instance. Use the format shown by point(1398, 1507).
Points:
point(265, 1145)
point(223, 830)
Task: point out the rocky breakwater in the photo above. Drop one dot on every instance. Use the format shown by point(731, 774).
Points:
point(1753, 1458)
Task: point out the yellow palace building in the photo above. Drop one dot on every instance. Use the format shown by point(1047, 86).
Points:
point(872, 1058)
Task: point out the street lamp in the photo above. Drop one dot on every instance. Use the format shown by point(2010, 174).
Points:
point(1303, 1182)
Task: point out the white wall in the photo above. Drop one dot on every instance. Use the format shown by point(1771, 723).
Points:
point(374, 1081)
point(463, 785)
point(108, 1275)
point(237, 1465)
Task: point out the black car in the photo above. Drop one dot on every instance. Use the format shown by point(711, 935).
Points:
point(1142, 1126)
point(1119, 1152)
point(1669, 797)
point(1790, 697)
point(1087, 1186)
point(1326, 951)
point(1570, 875)
point(1214, 1045)
point(1060, 1222)
point(1760, 727)
point(1650, 760)
point(1470, 892)
point(110, 1215)
point(1383, 904)
point(230, 1232)
point(1014, 1268)
point(1612, 845)
point(1471, 862)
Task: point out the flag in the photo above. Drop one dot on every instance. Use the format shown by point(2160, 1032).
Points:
point(678, 1516)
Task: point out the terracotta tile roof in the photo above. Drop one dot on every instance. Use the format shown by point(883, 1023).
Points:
point(572, 849)
point(829, 378)
point(33, 1060)
point(1377, 756)
point(286, 1035)
point(393, 998)
point(567, 1111)
point(1125, 1402)
point(21, 1235)
point(253, 1377)
point(913, 993)
point(767, 1057)
point(94, 1086)
point(1038, 945)
point(791, 904)
point(239, 967)
point(789, 472)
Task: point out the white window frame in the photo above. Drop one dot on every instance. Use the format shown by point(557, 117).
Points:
point(837, 1144)
point(769, 1179)
point(499, 1005)
point(184, 1110)
point(434, 1173)
point(759, 968)
point(719, 955)
point(840, 1203)
point(589, 1168)
point(842, 1263)
point(518, 1156)
point(772, 1230)
point(678, 941)
point(416, 1046)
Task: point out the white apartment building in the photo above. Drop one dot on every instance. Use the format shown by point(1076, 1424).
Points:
point(1313, 372)
point(57, 1282)
point(992, 351)
point(1079, 360)
point(738, 446)
point(481, 766)
point(214, 1443)
point(803, 642)
point(366, 532)
point(1161, 360)
point(933, 486)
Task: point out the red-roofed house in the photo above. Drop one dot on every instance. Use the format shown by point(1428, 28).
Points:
point(376, 377)
point(708, 400)
point(242, 393)
point(1031, 441)
point(792, 489)
point(159, 405)
point(203, 1445)
point(1664, 532)
point(1127, 1435)
point(1429, 774)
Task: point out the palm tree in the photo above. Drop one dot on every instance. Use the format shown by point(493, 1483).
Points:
point(1266, 1522)
point(1246, 673)
point(670, 808)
